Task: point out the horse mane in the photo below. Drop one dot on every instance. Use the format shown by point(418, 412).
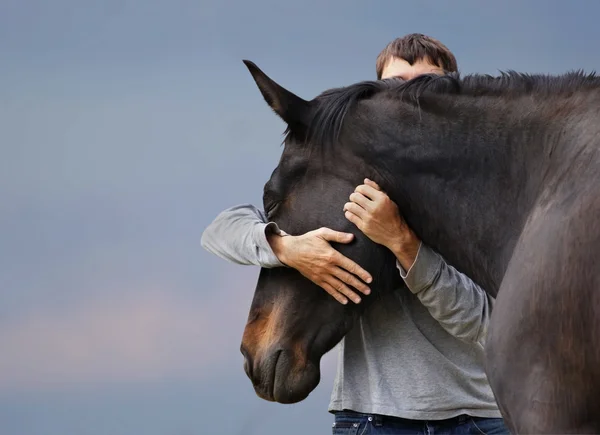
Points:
point(512, 83)
point(334, 104)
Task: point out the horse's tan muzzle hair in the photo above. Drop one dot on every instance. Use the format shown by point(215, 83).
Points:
point(272, 354)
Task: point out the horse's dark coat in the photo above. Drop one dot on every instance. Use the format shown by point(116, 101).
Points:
point(498, 174)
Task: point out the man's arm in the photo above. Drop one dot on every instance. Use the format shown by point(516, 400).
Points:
point(243, 235)
point(239, 234)
point(454, 300)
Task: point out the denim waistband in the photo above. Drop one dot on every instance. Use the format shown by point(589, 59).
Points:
point(382, 420)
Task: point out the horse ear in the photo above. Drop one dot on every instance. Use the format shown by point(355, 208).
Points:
point(292, 109)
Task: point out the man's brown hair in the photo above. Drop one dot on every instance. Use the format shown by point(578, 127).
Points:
point(414, 47)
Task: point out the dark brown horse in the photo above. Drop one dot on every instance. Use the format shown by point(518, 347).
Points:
point(501, 175)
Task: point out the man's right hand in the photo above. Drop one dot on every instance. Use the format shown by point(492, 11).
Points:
point(313, 256)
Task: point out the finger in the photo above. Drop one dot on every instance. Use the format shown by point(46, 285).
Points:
point(373, 184)
point(369, 192)
point(355, 209)
point(343, 289)
point(334, 293)
point(335, 236)
point(360, 199)
point(354, 219)
point(349, 265)
point(351, 280)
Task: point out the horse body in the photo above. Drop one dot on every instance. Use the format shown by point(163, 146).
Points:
point(520, 216)
point(499, 175)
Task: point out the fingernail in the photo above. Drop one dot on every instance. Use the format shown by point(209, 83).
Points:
point(345, 301)
point(357, 300)
point(369, 279)
point(367, 291)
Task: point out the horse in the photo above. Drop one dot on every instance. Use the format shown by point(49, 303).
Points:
point(500, 175)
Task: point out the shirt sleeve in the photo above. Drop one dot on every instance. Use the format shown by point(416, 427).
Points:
point(453, 299)
point(239, 235)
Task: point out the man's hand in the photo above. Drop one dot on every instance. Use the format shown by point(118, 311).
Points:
point(377, 216)
point(313, 256)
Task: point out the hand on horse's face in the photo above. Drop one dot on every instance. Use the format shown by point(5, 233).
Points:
point(378, 217)
point(313, 256)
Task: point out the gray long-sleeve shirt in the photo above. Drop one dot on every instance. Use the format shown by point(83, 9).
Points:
point(416, 353)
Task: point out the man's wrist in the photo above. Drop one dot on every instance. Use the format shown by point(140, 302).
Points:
point(278, 244)
point(405, 248)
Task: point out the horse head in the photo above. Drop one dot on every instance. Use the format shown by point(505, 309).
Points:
point(292, 322)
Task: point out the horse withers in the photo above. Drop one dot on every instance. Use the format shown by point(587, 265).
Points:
point(500, 175)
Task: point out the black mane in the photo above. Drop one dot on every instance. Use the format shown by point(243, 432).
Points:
point(334, 104)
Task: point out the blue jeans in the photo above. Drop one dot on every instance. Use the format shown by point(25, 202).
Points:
point(354, 423)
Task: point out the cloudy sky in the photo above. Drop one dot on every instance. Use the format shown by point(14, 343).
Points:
point(125, 127)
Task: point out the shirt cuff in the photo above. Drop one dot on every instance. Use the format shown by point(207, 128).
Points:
point(423, 271)
point(265, 253)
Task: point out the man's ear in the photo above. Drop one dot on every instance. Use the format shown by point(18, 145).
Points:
point(294, 111)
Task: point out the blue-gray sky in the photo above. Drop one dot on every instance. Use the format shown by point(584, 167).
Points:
point(125, 127)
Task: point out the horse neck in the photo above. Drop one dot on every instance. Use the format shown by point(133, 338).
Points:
point(464, 185)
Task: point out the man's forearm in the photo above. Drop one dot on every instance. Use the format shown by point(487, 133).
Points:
point(453, 299)
point(239, 235)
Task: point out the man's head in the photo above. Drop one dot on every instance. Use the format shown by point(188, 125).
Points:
point(412, 55)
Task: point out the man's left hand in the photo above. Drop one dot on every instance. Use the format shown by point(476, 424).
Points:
point(377, 216)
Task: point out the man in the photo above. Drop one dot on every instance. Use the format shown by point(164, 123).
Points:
point(414, 361)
